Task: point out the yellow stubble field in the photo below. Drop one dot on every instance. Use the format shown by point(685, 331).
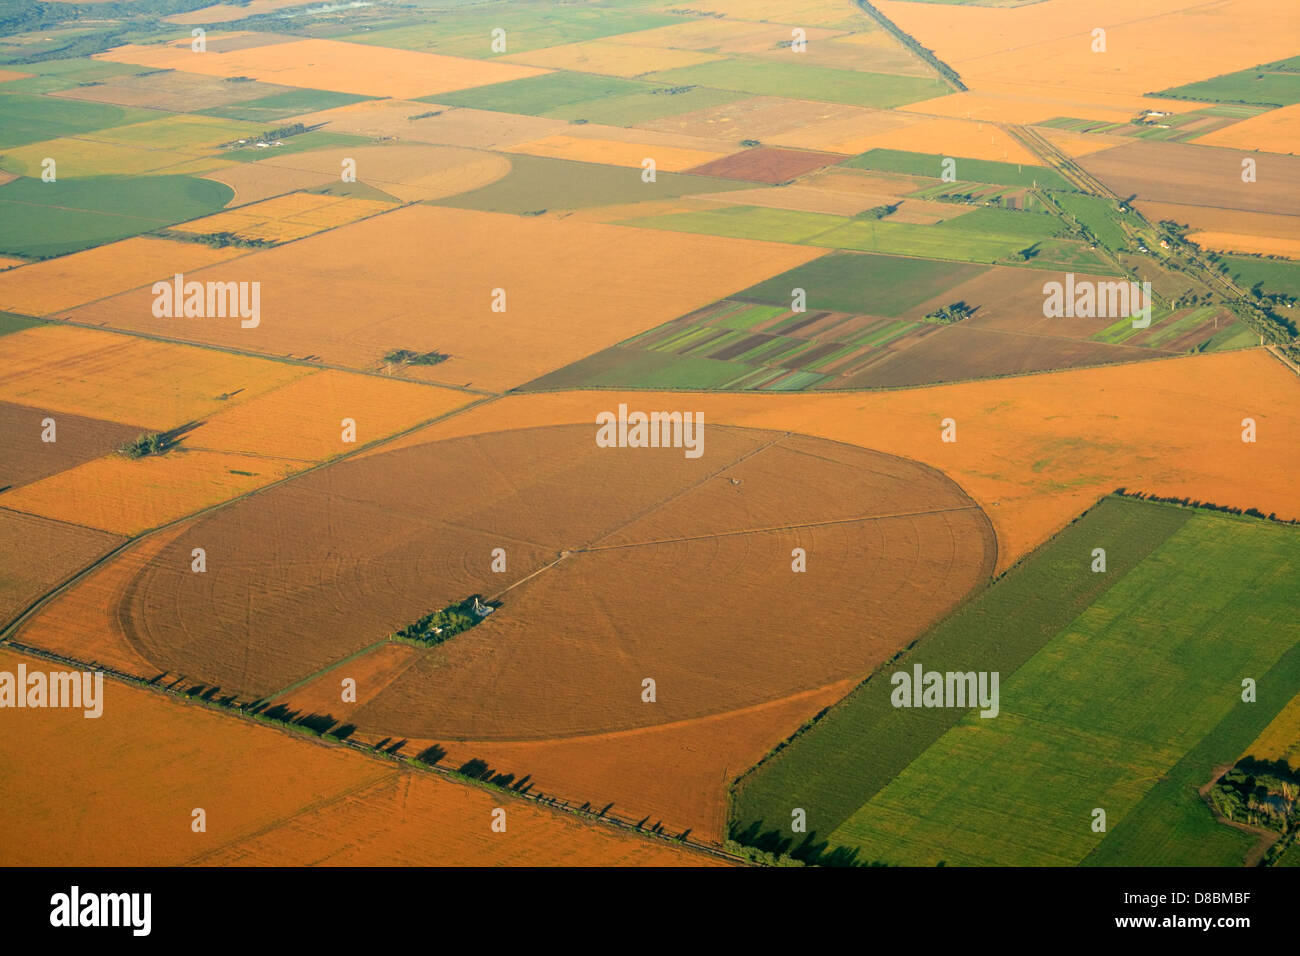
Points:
point(423, 278)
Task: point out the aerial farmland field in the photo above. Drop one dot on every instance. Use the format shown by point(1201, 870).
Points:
point(629, 433)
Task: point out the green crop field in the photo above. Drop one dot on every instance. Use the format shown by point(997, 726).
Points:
point(537, 183)
point(644, 106)
point(1101, 216)
point(747, 222)
point(48, 219)
point(864, 283)
point(1109, 681)
point(966, 170)
point(31, 119)
point(537, 95)
point(1272, 275)
point(277, 106)
point(984, 235)
point(794, 80)
point(1272, 84)
point(468, 32)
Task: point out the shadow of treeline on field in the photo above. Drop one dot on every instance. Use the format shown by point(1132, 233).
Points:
point(808, 850)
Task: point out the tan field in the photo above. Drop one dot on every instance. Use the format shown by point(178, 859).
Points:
point(1048, 47)
point(301, 419)
point(1277, 131)
point(82, 622)
point(286, 218)
point(1033, 451)
point(1008, 103)
point(64, 549)
point(404, 120)
point(610, 284)
point(677, 774)
point(106, 792)
point(330, 65)
point(616, 153)
point(1249, 244)
point(223, 12)
point(56, 285)
point(950, 137)
point(407, 172)
point(1216, 219)
point(155, 385)
point(127, 497)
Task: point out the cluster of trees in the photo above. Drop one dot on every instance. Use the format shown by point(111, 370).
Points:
point(951, 314)
point(438, 626)
point(1206, 505)
point(409, 357)
point(879, 212)
point(154, 443)
point(1260, 793)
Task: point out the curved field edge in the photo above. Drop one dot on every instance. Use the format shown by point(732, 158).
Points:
point(1085, 722)
point(834, 765)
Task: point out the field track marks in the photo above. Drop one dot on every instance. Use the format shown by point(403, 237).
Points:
point(787, 527)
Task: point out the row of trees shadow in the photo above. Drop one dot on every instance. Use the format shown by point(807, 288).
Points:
point(1206, 506)
point(327, 726)
point(808, 850)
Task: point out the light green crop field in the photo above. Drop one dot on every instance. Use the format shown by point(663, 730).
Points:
point(1121, 677)
point(796, 81)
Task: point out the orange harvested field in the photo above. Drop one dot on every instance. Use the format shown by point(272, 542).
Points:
point(154, 385)
point(678, 774)
point(1280, 740)
point(90, 788)
point(1024, 105)
point(117, 494)
point(302, 419)
point(82, 623)
point(329, 65)
point(30, 457)
point(419, 819)
point(609, 59)
point(409, 172)
point(583, 149)
point(611, 283)
point(1048, 47)
point(372, 671)
point(286, 217)
point(222, 12)
point(1249, 244)
point(952, 137)
point(1277, 131)
point(765, 164)
point(9, 262)
point(1033, 451)
point(8, 75)
point(438, 125)
point(63, 548)
point(43, 288)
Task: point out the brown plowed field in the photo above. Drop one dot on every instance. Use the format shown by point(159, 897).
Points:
point(77, 439)
point(63, 549)
point(767, 165)
point(1171, 172)
point(408, 532)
